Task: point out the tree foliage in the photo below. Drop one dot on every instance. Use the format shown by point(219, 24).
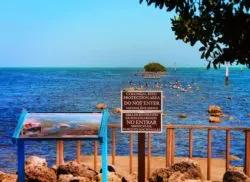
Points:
point(154, 67)
point(221, 26)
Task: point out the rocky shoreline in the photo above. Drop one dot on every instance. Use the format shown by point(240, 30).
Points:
point(36, 170)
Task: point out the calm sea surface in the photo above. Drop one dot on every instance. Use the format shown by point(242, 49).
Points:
point(79, 90)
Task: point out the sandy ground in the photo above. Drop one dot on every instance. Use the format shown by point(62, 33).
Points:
point(122, 162)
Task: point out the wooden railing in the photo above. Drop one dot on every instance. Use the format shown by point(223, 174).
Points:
point(170, 146)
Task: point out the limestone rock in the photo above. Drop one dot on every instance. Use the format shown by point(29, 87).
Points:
point(111, 168)
point(39, 174)
point(54, 167)
point(65, 177)
point(248, 115)
point(215, 110)
point(112, 177)
point(77, 170)
point(101, 106)
point(190, 168)
point(184, 170)
point(126, 177)
point(9, 178)
point(176, 177)
point(36, 161)
point(161, 175)
point(235, 175)
point(214, 119)
point(216, 114)
point(2, 174)
point(117, 110)
point(182, 116)
point(71, 178)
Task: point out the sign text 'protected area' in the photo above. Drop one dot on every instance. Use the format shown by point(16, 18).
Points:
point(141, 111)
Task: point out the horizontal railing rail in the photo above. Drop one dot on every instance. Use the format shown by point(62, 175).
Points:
point(170, 146)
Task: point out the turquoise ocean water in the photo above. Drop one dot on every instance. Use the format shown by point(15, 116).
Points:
point(80, 89)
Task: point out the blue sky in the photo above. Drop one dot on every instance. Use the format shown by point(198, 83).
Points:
point(93, 33)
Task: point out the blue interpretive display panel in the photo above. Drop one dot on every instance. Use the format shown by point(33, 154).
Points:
point(60, 126)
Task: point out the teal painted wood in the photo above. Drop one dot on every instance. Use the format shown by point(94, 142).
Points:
point(19, 126)
point(21, 160)
point(105, 147)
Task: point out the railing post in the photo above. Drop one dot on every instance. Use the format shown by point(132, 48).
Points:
point(60, 152)
point(57, 152)
point(227, 149)
point(78, 151)
point(95, 155)
point(190, 143)
point(131, 154)
point(209, 154)
point(149, 156)
point(168, 147)
point(173, 145)
point(247, 153)
point(113, 145)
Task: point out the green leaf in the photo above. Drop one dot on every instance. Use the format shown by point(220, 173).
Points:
point(202, 49)
point(215, 66)
point(218, 47)
point(207, 54)
point(208, 66)
point(203, 55)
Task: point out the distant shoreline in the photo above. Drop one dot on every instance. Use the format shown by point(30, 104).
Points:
point(138, 68)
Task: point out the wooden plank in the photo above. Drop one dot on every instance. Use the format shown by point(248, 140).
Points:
point(191, 143)
point(113, 145)
point(193, 127)
point(172, 146)
point(131, 154)
point(78, 151)
point(141, 157)
point(227, 149)
point(95, 155)
point(168, 150)
point(247, 154)
point(61, 152)
point(149, 156)
point(57, 152)
point(209, 154)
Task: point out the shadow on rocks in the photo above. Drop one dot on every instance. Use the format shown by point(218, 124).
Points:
point(178, 172)
point(235, 175)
